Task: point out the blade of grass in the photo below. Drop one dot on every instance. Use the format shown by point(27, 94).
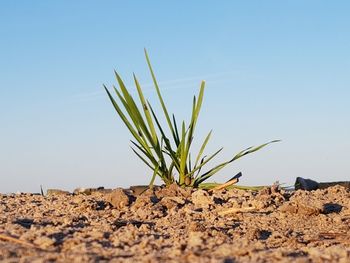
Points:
point(126, 121)
point(145, 109)
point(195, 113)
point(161, 98)
point(149, 156)
point(202, 149)
point(204, 162)
point(217, 168)
point(199, 170)
point(133, 110)
point(171, 153)
point(138, 125)
point(143, 159)
point(176, 132)
point(130, 112)
point(138, 122)
point(182, 155)
point(153, 177)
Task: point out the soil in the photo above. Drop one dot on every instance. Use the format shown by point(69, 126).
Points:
point(172, 224)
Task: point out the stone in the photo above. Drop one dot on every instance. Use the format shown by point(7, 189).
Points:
point(89, 191)
point(172, 201)
point(50, 192)
point(44, 242)
point(201, 199)
point(302, 209)
point(118, 198)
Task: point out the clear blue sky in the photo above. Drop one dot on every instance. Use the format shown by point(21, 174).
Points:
point(274, 70)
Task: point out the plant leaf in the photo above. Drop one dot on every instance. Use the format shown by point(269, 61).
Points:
point(217, 168)
point(145, 110)
point(160, 96)
point(202, 149)
point(153, 177)
point(125, 120)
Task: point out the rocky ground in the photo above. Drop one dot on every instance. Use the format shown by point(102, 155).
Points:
point(171, 224)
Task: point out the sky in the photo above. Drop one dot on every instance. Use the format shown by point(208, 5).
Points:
point(273, 70)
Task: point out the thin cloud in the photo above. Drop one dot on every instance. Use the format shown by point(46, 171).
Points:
point(180, 83)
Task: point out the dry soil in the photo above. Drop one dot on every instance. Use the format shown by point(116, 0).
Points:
point(172, 224)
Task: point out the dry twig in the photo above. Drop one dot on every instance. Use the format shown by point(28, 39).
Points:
point(222, 186)
point(16, 240)
point(330, 235)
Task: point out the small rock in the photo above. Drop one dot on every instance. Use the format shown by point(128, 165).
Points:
point(300, 209)
point(50, 192)
point(118, 198)
point(141, 201)
point(173, 201)
point(44, 242)
point(81, 190)
point(201, 199)
point(138, 189)
point(173, 190)
point(89, 191)
point(331, 208)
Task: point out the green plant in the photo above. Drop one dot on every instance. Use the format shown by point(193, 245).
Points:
point(165, 155)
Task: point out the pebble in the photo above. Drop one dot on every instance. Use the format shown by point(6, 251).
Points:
point(50, 192)
point(201, 199)
point(118, 198)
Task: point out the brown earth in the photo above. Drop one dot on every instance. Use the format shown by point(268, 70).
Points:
point(177, 225)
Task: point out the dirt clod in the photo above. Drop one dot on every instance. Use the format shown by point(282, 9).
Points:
point(118, 198)
point(201, 199)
